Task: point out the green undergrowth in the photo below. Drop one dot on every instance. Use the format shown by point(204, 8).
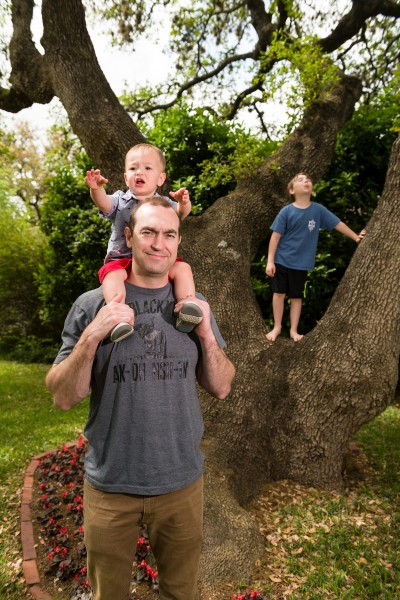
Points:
point(29, 425)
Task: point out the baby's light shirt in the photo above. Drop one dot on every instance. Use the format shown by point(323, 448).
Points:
point(122, 205)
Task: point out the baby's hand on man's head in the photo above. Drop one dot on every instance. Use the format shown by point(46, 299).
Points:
point(95, 179)
point(181, 196)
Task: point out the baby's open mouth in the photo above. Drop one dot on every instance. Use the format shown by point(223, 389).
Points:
point(139, 181)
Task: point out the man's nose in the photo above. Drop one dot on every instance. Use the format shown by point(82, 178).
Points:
point(158, 240)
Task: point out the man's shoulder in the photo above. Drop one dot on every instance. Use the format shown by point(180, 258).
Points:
point(90, 302)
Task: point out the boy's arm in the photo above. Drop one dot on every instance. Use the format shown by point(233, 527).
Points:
point(95, 181)
point(342, 228)
point(273, 244)
point(184, 205)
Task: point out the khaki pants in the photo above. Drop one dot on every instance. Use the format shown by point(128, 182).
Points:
point(112, 525)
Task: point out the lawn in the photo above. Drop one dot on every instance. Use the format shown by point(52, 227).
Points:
point(319, 545)
point(29, 425)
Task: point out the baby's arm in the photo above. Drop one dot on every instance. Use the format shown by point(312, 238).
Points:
point(273, 244)
point(184, 205)
point(342, 228)
point(181, 274)
point(95, 181)
point(113, 284)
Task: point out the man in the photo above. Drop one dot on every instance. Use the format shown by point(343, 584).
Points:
point(143, 463)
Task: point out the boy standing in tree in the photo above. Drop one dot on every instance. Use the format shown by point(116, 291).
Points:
point(292, 250)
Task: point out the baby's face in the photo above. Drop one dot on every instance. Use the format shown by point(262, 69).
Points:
point(143, 172)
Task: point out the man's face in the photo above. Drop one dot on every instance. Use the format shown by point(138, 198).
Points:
point(154, 241)
point(302, 185)
point(144, 172)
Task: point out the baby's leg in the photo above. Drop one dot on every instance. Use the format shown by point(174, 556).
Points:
point(278, 301)
point(181, 274)
point(295, 312)
point(113, 284)
point(190, 313)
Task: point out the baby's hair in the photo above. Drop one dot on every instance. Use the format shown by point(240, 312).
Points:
point(291, 182)
point(149, 148)
point(154, 201)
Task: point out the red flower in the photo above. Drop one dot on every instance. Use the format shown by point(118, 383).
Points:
point(78, 499)
point(76, 576)
point(83, 570)
point(72, 485)
point(44, 497)
point(57, 549)
point(63, 530)
point(86, 582)
point(82, 529)
point(50, 556)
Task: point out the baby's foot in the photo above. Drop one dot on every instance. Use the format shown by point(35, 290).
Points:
point(272, 335)
point(121, 331)
point(296, 337)
point(189, 316)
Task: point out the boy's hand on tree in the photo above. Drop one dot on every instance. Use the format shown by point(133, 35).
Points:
point(95, 179)
point(181, 196)
point(270, 269)
point(361, 235)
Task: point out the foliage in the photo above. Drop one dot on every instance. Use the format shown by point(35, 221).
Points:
point(77, 240)
point(22, 247)
point(204, 154)
point(350, 188)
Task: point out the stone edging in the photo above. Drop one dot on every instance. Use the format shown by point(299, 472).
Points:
point(29, 564)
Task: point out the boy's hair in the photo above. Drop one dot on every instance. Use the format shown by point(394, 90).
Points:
point(149, 148)
point(154, 201)
point(291, 182)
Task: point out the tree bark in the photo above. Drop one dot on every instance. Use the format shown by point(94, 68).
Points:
point(294, 407)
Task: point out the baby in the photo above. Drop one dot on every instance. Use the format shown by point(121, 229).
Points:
point(144, 172)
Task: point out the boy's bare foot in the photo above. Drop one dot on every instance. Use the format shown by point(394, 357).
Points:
point(272, 335)
point(296, 337)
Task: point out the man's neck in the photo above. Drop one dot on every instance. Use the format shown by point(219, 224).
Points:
point(148, 281)
point(302, 201)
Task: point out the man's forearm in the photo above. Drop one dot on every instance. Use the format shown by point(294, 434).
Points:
point(69, 381)
point(215, 371)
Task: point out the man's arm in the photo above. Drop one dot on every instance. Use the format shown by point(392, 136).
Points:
point(343, 228)
point(184, 205)
point(95, 181)
point(273, 244)
point(214, 371)
point(69, 381)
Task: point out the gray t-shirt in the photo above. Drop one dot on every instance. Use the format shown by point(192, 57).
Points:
point(122, 205)
point(145, 424)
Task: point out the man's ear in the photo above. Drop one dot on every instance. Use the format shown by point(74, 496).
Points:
point(161, 179)
point(128, 237)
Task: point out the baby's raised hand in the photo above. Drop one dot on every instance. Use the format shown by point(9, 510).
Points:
point(95, 179)
point(181, 196)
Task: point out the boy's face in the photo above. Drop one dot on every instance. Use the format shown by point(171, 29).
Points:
point(144, 172)
point(301, 185)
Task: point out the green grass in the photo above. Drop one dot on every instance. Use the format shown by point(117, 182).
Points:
point(29, 425)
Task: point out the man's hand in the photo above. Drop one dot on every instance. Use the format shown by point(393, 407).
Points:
point(203, 329)
point(361, 235)
point(94, 179)
point(181, 196)
point(108, 317)
point(270, 269)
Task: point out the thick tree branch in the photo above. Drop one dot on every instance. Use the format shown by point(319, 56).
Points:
point(239, 99)
point(354, 20)
point(262, 23)
point(30, 75)
point(13, 101)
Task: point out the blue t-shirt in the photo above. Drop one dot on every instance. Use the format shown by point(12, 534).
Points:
point(299, 228)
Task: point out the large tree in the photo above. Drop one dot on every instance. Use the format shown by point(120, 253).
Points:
point(294, 407)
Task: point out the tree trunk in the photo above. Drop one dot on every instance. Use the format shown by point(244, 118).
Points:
point(294, 407)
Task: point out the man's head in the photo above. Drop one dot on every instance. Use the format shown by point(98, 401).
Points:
point(300, 184)
point(154, 236)
point(144, 170)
